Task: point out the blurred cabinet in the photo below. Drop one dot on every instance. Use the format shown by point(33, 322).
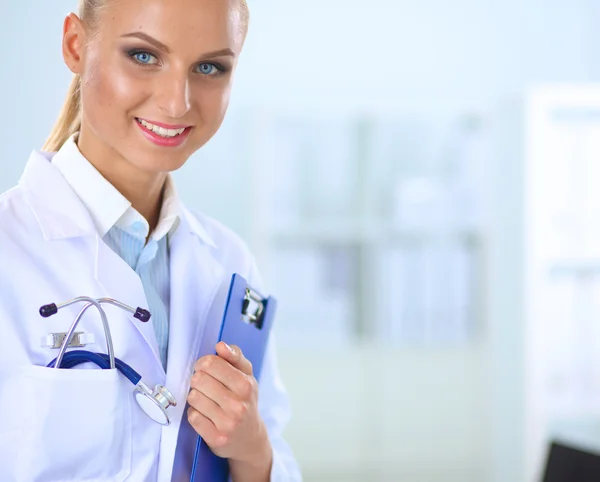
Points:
point(562, 270)
point(367, 233)
point(372, 235)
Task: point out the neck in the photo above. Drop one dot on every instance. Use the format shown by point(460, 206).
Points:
point(143, 189)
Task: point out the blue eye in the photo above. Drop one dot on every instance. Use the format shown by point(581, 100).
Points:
point(144, 58)
point(208, 69)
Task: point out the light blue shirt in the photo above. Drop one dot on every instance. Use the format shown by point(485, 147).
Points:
point(125, 231)
point(151, 263)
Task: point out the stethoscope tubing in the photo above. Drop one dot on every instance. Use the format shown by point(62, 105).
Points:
point(77, 357)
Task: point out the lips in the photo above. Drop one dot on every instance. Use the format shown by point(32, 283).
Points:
point(162, 130)
point(164, 135)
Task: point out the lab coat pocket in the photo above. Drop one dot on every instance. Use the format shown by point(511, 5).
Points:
point(76, 425)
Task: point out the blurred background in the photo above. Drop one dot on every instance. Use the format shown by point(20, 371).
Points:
point(418, 182)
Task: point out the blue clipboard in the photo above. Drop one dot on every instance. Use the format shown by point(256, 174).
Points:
point(247, 321)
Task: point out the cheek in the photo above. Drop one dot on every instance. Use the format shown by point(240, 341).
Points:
point(212, 106)
point(108, 94)
point(224, 98)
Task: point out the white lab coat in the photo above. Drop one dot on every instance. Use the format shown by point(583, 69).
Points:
point(84, 425)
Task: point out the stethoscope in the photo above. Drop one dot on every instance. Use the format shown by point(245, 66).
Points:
point(153, 402)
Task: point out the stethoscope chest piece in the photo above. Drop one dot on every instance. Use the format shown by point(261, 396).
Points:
point(155, 402)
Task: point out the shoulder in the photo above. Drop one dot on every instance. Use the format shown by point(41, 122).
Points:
point(16, 216)
point(20, 247)
point(11, 201)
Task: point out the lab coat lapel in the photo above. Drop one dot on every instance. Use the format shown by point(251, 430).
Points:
point(58, 211)
point(61, 215)
point(123, 284)
point(195, 280)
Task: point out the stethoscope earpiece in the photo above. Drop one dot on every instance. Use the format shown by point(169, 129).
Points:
point(142, 315)
point(48, 310)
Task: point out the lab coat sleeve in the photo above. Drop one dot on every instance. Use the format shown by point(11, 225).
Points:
point(274, 408)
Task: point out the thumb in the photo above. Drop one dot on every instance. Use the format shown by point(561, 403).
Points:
point(227, 352)
point(234, 356)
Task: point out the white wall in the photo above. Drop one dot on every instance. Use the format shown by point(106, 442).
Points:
point(33, 78)
point(428, 56)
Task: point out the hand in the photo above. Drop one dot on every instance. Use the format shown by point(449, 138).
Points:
point(224, 407)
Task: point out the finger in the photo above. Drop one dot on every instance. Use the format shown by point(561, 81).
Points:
point(205, 383)
point(233, 354)
point(219, 368)
point(203, 426)
point(230, 376)
point(209, 408)
point(228, 400)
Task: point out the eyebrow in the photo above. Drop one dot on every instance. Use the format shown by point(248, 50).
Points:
point(161, 46)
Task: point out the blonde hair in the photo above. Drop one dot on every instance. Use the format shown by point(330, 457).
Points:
point(69, 119)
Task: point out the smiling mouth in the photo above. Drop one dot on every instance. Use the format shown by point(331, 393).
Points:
point(162, 131)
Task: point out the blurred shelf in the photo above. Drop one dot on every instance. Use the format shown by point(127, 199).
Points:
point(382, 349)
point(575, 267)
point(365, 233)
point(345, 233)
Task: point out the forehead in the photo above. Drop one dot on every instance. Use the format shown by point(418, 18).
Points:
point(180, 24)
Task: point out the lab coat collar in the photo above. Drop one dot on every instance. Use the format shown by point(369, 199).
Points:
point(59, 211)
point(195, 227)
point(105, 204)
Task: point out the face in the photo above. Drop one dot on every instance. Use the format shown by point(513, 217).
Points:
point(155, 77)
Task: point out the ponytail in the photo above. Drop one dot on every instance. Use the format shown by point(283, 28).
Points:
point(69, 120)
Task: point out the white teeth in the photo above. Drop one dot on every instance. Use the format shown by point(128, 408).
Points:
point(161, 131)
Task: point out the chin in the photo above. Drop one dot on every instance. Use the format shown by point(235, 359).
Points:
point(151, 162)
point(160, 165)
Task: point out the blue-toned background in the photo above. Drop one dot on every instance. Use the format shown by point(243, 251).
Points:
point(394, 165)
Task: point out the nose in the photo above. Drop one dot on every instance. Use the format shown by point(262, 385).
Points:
point(173, 95)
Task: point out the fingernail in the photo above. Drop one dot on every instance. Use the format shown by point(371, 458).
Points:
point(229, 348)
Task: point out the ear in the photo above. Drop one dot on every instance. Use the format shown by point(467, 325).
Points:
point(73, 44)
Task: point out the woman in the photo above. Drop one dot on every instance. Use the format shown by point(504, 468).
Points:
point(96, 214)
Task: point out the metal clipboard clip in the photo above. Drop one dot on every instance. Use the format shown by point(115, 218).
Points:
point(253, 308)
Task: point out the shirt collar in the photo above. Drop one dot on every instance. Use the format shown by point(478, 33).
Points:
point(108, 208)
